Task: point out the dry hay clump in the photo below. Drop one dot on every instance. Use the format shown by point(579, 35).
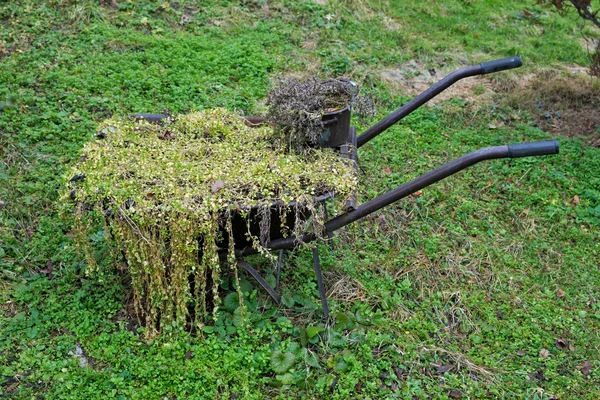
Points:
point(165, 195)
point(296, 107)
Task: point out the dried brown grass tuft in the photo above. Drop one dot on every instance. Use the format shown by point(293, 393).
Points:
point(462, 362)
point(295, 107)
point(454, 315)
point(343, 288)
point(8, 309)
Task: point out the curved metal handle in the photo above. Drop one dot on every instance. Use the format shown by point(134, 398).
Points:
point(440, 86)
point(500, 65)
point(544, 148)
point(431, 177)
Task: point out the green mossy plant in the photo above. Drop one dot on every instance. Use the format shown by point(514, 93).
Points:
point(166, 193)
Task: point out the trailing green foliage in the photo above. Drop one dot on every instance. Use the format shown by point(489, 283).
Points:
point(167, 194)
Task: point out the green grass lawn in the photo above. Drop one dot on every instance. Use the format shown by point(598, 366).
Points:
point(485, 286)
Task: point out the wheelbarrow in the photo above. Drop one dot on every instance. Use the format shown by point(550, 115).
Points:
point(339, 134)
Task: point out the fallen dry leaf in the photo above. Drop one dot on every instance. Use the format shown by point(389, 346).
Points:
point(521, 353)
point(585, 367)
point(387, 170)
point(358, 388)
point(544, 353)
point(442, 369)
point(575, 200)
point(561, 344)
point(455, 394)
point(537, 376)
point(400, 373)
point(560, 293)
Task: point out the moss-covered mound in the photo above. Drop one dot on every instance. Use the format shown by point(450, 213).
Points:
point(166, 194)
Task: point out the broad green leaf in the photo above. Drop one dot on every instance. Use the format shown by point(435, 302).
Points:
point(294, 348)
point(281, 362)
point(231, 302)
point(311, 358)
point(330, 379)
point(270, 313)
point(231, 330)
point(337, 339)
point(314, 340)
point(32, 332)
point(341, 321)
point(340, 365)
point(288, 301)
point(304, 301)
point(224, 283)
point(362, 319)
point(246, 286)
point(237, 319)
point(312, 331)
point(286, 379)
point(378, 319)
point(303, 336)
point(19, 316)
point(271, 280)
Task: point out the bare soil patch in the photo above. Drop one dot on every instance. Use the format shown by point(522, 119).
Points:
point(562, 105)
point(413, 77)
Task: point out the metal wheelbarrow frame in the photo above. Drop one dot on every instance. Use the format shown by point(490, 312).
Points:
point(347, 142)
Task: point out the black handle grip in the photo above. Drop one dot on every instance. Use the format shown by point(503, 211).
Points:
point(500, 65)
point(533, 149)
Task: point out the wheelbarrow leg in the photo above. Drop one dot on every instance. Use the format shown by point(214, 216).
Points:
point(260, 280)
point(279, 261)
point(330, 233)
point(320, 282)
